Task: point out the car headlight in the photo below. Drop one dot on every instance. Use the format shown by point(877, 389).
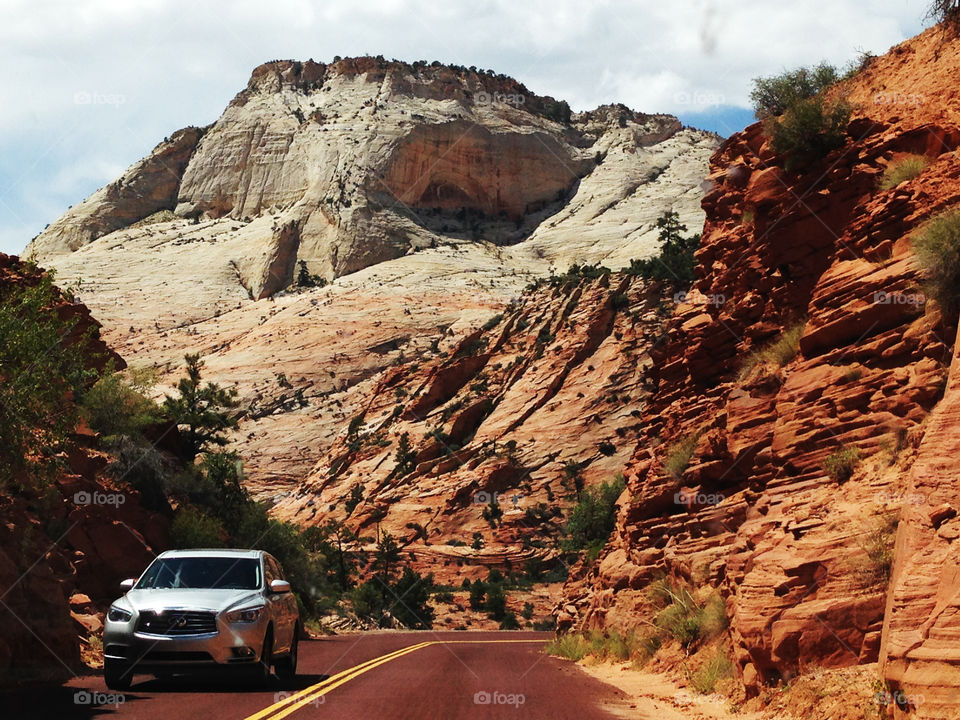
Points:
point(246, 615)
point(118, 614)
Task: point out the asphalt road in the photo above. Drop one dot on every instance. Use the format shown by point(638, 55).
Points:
point(387, 676)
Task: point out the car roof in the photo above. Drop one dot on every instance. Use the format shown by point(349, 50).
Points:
point(213, 552)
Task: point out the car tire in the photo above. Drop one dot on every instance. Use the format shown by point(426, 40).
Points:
point(266, 659)
point(117, 675)
point(287, 666)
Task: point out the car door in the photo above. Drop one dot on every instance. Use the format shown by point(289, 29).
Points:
point(283, 607)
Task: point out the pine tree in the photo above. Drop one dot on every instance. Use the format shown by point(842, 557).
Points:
point(201, 409)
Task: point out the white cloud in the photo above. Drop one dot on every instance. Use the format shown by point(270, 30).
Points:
point(156, 65)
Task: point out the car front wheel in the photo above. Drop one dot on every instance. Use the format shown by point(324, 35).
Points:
point(117, 675)
point(287, 666)
point(266, 659)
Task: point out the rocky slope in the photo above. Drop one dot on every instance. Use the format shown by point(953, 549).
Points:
point(429, 195)
point(544, 393)
point(65, 542)
point(796, 550)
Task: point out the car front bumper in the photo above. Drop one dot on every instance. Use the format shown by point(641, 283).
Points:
point(232, 644)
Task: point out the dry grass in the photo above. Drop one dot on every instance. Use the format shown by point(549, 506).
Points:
point(906, 169)
point(778, 352)
point(937, 249)
point(877, 543)
point(680, 453)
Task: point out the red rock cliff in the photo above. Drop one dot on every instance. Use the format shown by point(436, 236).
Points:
point(827, 255)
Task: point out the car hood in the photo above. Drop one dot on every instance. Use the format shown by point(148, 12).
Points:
point(190, 599)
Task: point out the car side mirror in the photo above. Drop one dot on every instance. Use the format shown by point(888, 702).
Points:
point(128, 584)
point(279, 586)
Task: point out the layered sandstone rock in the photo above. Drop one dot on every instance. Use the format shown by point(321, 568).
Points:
point(791, 547)
point(549, 389)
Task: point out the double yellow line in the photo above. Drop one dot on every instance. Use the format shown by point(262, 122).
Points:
point(294, 702)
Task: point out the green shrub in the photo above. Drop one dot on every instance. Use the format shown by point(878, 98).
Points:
point(593, 518)
point(704, 680)
point(572, 647)
point(145, 468)
point(841, 463)
point(675, 263)
point(619, 646)
point(681, 620)
point(36, 372)
point(410, 597)
point(492, 322)
point(496, 603)
point(354, 499)
point(778, 352)
point(113, 407)
point(306, 279)
point(937, 249)
point(679, 455)
point(509, 621)
point(192, 528)
point(685, 619)
point(906, 169)
point(546, 624)
point(774, 95)
point(406, 457)
point(406, 600)
point(808, 130)
point(478, 594)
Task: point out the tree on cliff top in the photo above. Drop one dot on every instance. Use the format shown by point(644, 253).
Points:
point(201, 409)
point(944, 11)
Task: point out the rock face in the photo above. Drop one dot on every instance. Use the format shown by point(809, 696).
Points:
point(63, 551)
point(346, 165)
point(429, 196)
point(545, 392)
point(795, 549)
point(147, 187)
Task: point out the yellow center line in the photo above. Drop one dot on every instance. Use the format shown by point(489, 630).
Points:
point(294, 702)
point(313, 689)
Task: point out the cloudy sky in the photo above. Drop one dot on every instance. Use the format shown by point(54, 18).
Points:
point(90, 86)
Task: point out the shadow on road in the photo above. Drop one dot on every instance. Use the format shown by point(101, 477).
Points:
point(62, 702)
point(215, 684)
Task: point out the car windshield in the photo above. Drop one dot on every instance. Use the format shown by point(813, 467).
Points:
point(202, 573)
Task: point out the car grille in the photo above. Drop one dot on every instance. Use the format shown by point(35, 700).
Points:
point(177, 622)
point(182, 656)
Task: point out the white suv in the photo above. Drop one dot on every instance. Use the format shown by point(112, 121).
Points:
point(197, 610)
